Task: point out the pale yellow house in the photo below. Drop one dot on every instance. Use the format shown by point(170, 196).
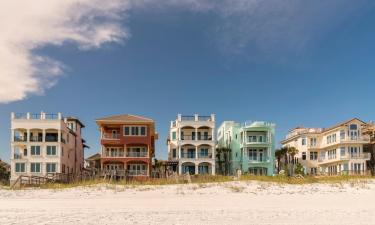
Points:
point(331, 151)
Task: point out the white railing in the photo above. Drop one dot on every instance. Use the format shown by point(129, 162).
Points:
point(109, 136)
point(136, 154)
point(137, 172)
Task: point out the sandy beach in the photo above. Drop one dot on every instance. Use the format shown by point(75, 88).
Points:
point(245, 202)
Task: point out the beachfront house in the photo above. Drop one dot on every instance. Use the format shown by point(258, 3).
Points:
point(46, 144)
point(248, 147)
point(331, 151)
point(127, 145)
point(191, 144)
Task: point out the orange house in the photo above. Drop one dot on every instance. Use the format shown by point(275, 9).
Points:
point(127, 144)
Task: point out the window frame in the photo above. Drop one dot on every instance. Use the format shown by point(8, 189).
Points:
point(135, 130)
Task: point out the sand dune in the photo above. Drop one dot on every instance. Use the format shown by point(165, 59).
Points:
point(224, 203)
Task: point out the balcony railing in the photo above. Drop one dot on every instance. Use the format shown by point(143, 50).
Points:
point(137, 172)
point(204, 118)
point(187, 118)
point(51, 116)
point(17, 156)
point(20, 116)
point(36, 139)
point(20, 139)
point(365, 155)
point(114, 154)
point(188, 155)
point(110, 136)
point(258, 159)
point(136, 154)
point(51, 139)
point(205, 156)
point(196, 138)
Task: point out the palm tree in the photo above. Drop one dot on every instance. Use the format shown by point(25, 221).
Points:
point(226, 159)
point(292, 151)
point(280, 153)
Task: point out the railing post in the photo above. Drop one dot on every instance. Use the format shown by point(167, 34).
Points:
point(12, 115)
point(196, 117)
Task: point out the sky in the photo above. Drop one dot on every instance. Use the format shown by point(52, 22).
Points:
point(290, 62)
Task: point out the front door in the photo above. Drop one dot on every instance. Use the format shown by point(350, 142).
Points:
point(114, 134)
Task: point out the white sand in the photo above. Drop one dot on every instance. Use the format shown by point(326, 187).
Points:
point(225, 203)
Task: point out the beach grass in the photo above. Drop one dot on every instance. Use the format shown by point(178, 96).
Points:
point(206, 179)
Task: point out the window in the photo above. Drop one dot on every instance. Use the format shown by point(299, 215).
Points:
point(126, 131)
point(143, 131)
point(35, 150)
point(174, 153)
point(313, 155)
point(25, 152)
point(353, 127)
point(342, 134)
point(204, 152)
point(20, 167)
point(303, 155)
point(51, 167)
point(35, 167)
point(135, 130)
point(252, 154)
point(62, 151)
point(174, 135)
point(51, 150)
point(342, 151)
point(303, 141)
point(313, 142)
point(334, 138)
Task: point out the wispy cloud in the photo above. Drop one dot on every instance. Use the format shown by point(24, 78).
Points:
point(27, 25)
point(259, 26)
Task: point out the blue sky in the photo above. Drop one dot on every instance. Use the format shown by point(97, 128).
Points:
point(291, 64)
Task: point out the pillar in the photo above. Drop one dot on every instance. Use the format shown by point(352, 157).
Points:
point(196, 134)
point(196, 152)
point(179, 168)
point(44, 135)
point(196, 168)
point(179, 152)
point(12, 137)
point(28, 135)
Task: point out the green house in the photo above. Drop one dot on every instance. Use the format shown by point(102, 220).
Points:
point(252, 148)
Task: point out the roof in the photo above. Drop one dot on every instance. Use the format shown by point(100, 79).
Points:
point(125, 118)
point(72, 118)
point(340, 124)
point(94, 157)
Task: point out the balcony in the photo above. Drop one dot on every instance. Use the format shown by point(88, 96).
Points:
point(20, 139)
point(114, 154)
point(137, 154)
point(196, 138)
point(363, 156)
point(17, 156)
point(36, 139)
point(36, 116)
point(111, 136)
point(259, 159)
point(205, 156)
point(137, 172)
point(188, 155)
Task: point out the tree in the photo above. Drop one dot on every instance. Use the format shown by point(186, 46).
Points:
point(280, 153)
point(226, 160)
point(292, 151)
point(299, 169)
point(4, 174)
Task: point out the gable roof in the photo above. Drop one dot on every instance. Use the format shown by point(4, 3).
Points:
point(125, 118)
point(343, 123)
point(94, 157)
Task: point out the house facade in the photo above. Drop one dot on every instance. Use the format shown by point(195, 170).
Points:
point(331, 151)
point(43, 144)
point(191, 144)
point(127, 144)
point(251, 144)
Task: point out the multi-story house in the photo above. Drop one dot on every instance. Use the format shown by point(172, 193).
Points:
point(127, 145)
point(252, 146)
point(191, 144)
point(43, 144)
point(331, 151)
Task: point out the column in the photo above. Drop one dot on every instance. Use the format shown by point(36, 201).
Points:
point(196, 152)
point(12, 137)
point(196, 134)
point(44, 135)
point(213, 169)
point(179, 152)
point(58, 135)
point(28, 135)
point(196, 168)
point(179, 168)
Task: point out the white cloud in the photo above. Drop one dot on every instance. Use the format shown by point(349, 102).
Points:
point(27, 25)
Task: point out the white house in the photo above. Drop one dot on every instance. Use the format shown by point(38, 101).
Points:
point(44, 144)
point(191, 144)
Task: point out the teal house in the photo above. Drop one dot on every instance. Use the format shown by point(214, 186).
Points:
point(251, 144)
